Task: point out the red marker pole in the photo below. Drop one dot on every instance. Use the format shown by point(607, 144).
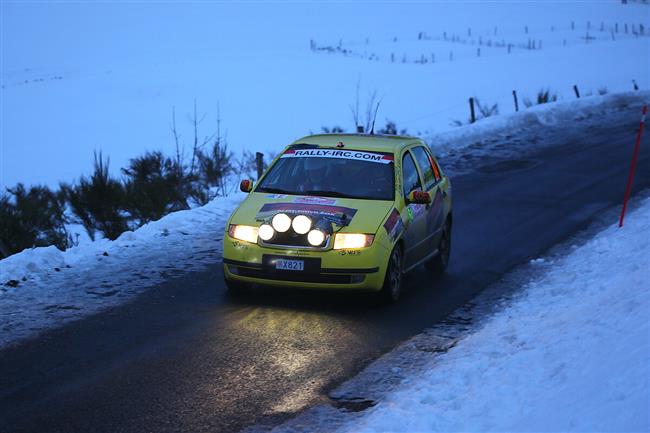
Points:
point(628, 188)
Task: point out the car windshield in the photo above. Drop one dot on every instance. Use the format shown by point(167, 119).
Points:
point(321, 172)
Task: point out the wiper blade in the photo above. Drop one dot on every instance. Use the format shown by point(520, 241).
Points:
point(327, 193)
point(275, 190)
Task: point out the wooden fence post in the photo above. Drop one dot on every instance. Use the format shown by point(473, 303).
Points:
point(575, 89)
point(514, 95)
point(472, 118)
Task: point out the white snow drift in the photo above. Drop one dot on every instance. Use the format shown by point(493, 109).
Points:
point(571, 353)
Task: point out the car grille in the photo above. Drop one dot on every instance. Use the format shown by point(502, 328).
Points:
point(293, 239)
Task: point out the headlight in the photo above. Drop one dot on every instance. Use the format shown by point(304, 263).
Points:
point(266, 232)
point(243, 233)
point(352, 240)
point(281, 222)
point(316, 237)
point(301, 224)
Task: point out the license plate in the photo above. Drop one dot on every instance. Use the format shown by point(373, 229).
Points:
point(290, 265)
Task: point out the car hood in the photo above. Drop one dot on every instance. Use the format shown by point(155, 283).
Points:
point(358, 216)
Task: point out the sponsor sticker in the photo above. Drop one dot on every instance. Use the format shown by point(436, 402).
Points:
point(314, 200)
point(435, 215)
point(415, 210)
point(276, 196)
point(380, 158)
point(338, 215)
point(394, 225)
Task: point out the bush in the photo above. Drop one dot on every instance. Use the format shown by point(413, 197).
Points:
point(246, 165)
point(543, 97)
point(214, 168)
point(154, 186)
point(32, 218)
point(486, 110)
point(333, 130)
point(99, 202)
point(391, 129)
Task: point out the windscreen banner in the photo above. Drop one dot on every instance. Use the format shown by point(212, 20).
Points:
point(381, 158)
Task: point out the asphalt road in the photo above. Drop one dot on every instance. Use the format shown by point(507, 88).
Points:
point(186, 356)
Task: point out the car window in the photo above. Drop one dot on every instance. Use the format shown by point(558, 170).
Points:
point(332, 173)
point(430, 171)
point(434, 164)
point(410, 175)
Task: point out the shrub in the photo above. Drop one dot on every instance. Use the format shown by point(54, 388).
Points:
point(543, 97)
point(391, 129)
point(603, 90)
point(99, 202)
point(333, 130)
point(214, 168)
point(32, 218)
point(154, 186)
point(246, 165)
point(486, 110)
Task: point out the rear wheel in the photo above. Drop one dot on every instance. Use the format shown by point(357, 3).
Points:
point(439, 263)
point(392, 288)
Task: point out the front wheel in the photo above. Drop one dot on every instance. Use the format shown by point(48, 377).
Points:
point(439, 263)
point(392, 288)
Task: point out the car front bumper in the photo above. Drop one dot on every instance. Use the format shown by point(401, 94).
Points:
point(361, 269)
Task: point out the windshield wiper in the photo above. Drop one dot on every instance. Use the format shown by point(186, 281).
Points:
point(327, 193)
point(274, 190)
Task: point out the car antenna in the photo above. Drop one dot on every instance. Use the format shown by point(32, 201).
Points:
point(372, 130)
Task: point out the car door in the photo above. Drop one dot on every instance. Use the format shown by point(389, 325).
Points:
point(415, 225)
point(434, 212)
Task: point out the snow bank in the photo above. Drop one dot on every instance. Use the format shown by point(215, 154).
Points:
point(552, 114)
point(44, 287)
point(571, 353)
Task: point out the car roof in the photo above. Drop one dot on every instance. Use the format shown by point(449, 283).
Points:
point(376, 142)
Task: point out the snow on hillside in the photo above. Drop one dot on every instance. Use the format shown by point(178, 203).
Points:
point(569, 354)
point(105, 76)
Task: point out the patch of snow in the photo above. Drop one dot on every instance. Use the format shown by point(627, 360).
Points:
point(534, 128)
point(569, 353)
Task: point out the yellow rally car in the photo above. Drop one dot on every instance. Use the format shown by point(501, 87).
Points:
point(341, 211)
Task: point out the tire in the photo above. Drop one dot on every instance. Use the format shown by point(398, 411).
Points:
point(439, 263)
point(392, 287)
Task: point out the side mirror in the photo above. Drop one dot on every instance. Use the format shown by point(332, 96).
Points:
point(246, 185)
point(419, 197)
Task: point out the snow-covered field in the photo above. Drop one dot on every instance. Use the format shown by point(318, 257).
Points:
point(569, 352)
point(79, 77)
